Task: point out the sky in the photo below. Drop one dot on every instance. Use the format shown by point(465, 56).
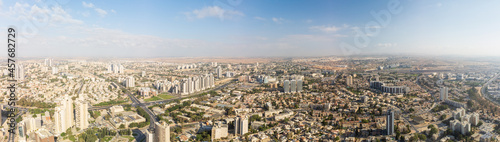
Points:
point(251, 28)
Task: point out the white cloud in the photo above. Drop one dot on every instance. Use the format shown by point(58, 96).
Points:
point(278, 20)
point(86, 14)
point(259, 18)
point(113, 11)
point(88, 5)
point(387, 44)
point(326, 29)
point(309, 21)
point(42, 16)
point(213, 11)
point(101, 12)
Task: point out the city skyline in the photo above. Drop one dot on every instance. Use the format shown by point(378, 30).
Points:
point(251, 28)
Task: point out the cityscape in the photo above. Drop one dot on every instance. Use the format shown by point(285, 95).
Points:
point(226, 71)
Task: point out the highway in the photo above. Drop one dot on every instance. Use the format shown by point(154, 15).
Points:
point(21, 112)
point(163, 101)
point(483, 90)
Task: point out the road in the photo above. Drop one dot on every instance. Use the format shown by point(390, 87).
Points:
point(136, 102)
point(21, 112)
point(163, 101)
point(483, 90)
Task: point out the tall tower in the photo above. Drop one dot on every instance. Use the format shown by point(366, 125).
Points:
point(162, 132)
point(149, 136)
point(390, 122)
point(130, 82)
point(293, 85)
point(19, 73)
point(67, 104)
point(59, 120)
point(81, 113)
point(299, 85)
point(443, 93)
point(219, 72)
point(212, 80)
point(241, 125)
point(348, 81)
point(286, 86)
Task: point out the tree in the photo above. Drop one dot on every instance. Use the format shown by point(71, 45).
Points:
point(433, 131)
point(479, 123)
point(122, 126)
point(337, 138)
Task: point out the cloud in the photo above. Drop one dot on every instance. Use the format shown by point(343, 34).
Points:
point(86, 14)
point(386, 44)
point(213, 11)
point(88, 5)
point(113, 11)
point(259, 18)
point(101, 12)
point(309, 21)
point(278, 20)
point(439, 4)
point(42, 16)
point(326, 29)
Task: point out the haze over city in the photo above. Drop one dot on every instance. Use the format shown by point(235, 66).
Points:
point(250, 71)
point(68, 28)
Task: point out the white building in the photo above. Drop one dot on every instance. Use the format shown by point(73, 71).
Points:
point(130, 82)
point(81, 113)
point(443, 93)
point(241, 125)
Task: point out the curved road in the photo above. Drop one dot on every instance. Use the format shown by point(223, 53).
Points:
point(483, 90)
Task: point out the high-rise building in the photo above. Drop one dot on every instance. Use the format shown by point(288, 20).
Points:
point(21, 127)
point(43, 135)
point(241, 125)
point(149, 136)
point(48, 62)
point(116, 68)
point(219, 131)
point(19, 72)
point(81, 113)
point(299, 85)
point(474, 120)
point(55, 70)
point(219, 72)
point(162, 132)
point(390, 123)
point(293, 86)
point(58, 120)
point(443, 93)
point(130, 82)
point(67, 103)
point(286, 86)
point(212, 80)
point(348, 81)
point(63, 115)
point(143, 73)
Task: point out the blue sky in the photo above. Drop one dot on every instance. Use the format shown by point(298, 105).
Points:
point(110, 28)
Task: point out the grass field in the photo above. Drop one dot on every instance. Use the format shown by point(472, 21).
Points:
point(130, 138)
point(107, 138)
point(159, 97)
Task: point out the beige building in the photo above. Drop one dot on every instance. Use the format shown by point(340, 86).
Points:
point(149, 136)
point(219, 131)
point(81, 113)
point(162, 132)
